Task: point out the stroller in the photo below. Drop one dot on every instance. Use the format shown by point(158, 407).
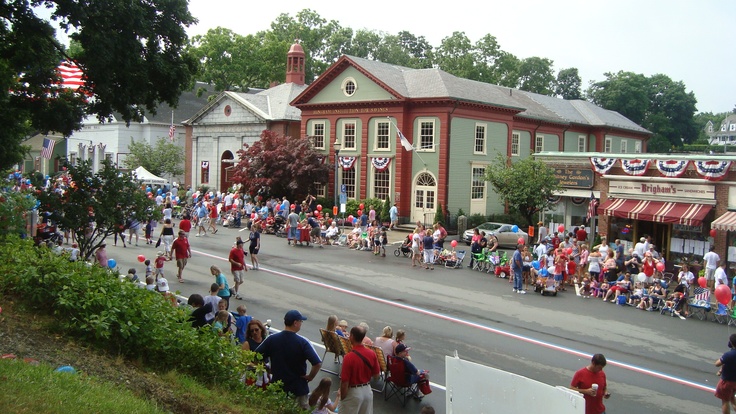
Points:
point(456, 260)
point(545, 285)
point(279, 226)
point(673, 305)
point(405, 248)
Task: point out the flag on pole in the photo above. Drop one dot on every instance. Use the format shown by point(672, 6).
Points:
point(71, 75)
point(48, 148)
point(404, 142)
point(592, 207)
point(172, 131)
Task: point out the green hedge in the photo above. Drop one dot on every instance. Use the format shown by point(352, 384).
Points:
point(94, 306)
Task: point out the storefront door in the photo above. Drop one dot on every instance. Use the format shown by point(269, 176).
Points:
point(425, 198)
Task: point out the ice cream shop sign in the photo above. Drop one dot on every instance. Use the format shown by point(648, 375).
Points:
point(631, 189)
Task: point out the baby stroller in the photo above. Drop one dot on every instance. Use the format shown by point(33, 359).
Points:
point(456, 260)
point(673, 305)
point(279, 226)
point(404, 249)
point(545, 285)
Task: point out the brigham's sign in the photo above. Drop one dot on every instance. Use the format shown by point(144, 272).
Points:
point(661, 190)
point(574, 178)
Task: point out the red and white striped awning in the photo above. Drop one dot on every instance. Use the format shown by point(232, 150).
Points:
point(659, 211)
point(727, 222)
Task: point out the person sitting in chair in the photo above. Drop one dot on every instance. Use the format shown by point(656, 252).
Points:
point(413, 375)
point(332, 233)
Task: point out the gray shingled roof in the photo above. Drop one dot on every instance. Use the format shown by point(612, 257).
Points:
point(189, 104)
point(435, 83)
point(274, 102)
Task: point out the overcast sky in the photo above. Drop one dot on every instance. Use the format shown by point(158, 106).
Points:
point(689, 41)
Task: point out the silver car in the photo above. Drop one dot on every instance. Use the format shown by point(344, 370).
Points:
point(503, 232)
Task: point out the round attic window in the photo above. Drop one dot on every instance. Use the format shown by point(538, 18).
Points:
point(349, 86)
point(228, 110)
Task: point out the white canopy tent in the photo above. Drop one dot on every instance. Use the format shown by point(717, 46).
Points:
point(146, 177)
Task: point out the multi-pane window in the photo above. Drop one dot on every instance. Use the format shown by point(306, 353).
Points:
point(581, 143)
point(348, 135)
point(608, 144)
point(624, 146)
point(478, 183)
point(348, 180)
point(383, 138)
point(320, 190)
point(480, 139)
point(539, 143)
point(205, 175)
point(515, 138)
point(637, 147)
point(108, 156)
point(318, 135)
point(73, 158)
point(426, 135)
point(381, 182)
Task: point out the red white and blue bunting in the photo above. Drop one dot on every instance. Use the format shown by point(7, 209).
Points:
point(602, 165)
point(712, 170)
point(635, 167)
point(672, 168)
point(380, 163)
point(347, 162)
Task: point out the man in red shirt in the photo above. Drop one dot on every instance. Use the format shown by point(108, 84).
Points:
point(185, 225)
point(213, 217)
point(358, 368)
point(182, 252)
point(237, 265)
point(581, 235)
point(591, 382)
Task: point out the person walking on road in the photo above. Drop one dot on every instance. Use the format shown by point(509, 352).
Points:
point(359, 366)
point(237, 266)
point(726, 387)
point(182, 252)
point(591, 382)
point(255, 245)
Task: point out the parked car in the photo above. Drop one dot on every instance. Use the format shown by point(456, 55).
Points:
point(503, 232)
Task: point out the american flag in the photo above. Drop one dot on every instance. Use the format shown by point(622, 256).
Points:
point(172, 131)
point(592, 206)
point(71, 75)
point(701, 294)
point(48, 148)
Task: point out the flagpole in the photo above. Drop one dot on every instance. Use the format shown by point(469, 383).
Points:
point(412, 145)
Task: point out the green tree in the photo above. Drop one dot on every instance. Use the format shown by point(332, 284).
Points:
point(280, 166)
point(526, 185)
point(495, 66)
point(568, 84)
point(14, 206)
point(130, 52)
point(535, 75)
point(456, 55)
point(385, 216)
point(164, 158)
point(701, 120)
point(96, 204)
point(225, 58)
point(657, 103)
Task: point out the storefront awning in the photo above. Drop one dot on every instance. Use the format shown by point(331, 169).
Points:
point(726, 222)
point(659, 211)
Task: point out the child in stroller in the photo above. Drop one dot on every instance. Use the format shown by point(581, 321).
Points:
point(405, 248)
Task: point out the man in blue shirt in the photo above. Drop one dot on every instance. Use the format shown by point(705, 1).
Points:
point(726, 387)
point(289, 353)
point(517, 265)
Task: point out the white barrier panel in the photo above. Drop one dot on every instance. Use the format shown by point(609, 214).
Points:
point(475, 388)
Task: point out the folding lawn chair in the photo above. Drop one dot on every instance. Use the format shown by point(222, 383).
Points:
point(699, 304)
point(396, 382)
point(721, 315)
point(331, 340)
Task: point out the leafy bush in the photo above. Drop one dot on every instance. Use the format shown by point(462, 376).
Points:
point(95, 306)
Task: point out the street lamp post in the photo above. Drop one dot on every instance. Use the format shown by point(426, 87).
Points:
point(337, 147)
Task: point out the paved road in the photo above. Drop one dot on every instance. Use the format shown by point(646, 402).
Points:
point(656, 363)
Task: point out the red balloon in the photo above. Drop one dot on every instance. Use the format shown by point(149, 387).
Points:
point(362, 206)
point(360, 212)
point(253, 216)
point(713, 233)
point(141, 258)
point(520, 241)
point(453, 243)
point(569, 250)
point(702, 282)
point(561, 228)
point(293, 206)
point(350, 219)
point(319, 207)
point(660, 266)
point(723, 295)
